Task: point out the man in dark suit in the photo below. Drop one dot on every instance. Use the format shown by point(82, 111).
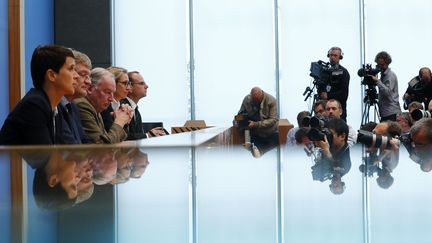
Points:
point(35, 120)
point(138, 91)
point(73, 132)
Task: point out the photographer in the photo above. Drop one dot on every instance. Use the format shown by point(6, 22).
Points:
point(337, 87)
point(388, 100)
point(420, 149)
point(336, 149)
point(336, 153)
point(419, 88)
point(258, 114)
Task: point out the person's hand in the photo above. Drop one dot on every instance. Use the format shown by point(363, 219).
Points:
point(325, 147)
point(394, 142)
point(251, 124)
point(157, 131)
point(123, 115)
point(323, 95)
point(373, 77)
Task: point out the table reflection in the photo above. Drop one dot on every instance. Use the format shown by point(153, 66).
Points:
point(224, 192)
point(64, 177)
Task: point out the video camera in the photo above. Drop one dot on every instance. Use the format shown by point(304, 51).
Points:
point(373, 140)
point(324, 73)
point(365, 72)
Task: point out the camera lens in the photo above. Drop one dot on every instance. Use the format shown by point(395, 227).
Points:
point(419, 114)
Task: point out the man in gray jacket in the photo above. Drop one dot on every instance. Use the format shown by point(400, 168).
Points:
point(388, 102)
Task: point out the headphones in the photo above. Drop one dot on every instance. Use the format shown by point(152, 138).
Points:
point(336, 48)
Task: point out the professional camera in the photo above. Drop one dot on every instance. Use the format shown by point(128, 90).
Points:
point(373, 140)
point(418, 114)
point(317, 121)
point(316, 134)
point(364, 73)
point(324, 73)
point(242, 120)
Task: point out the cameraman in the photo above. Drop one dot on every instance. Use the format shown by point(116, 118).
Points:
point(337, 88)
point(259, 111)
point(388, 100)
point(419, 88)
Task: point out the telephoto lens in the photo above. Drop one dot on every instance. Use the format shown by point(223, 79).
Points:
point(373, 140)
point(418, 114)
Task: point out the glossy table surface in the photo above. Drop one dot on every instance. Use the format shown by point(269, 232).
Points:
point(170, 191)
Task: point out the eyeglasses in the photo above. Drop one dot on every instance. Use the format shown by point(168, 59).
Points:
point(125, 83)
point(139, 83)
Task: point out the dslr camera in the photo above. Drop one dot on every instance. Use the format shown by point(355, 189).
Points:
point(373, 140)
point(364, 73)
point(318, 131)
point(242, 120)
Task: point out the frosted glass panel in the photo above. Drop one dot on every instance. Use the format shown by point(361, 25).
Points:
point(170, 214)
point(150, 37)
point(234, 50)
point(308, 30)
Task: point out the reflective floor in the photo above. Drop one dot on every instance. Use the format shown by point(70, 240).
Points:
point(214, 193)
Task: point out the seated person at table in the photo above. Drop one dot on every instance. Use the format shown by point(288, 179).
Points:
point(35, 119)
point(138, 91)
point(99, 97)
point(73, 132)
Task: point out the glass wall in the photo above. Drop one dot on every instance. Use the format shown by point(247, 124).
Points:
point(151, 37)
point(308, 29)
point(234, 51)
point(235, 46)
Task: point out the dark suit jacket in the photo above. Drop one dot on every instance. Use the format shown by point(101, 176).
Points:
point(107, 117)
point(31, 121)
point(135, 128)
point(72, 131)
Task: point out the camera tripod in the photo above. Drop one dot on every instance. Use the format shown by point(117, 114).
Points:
point(370, 100)
point(311, 93)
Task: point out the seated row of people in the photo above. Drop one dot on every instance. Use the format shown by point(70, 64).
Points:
point(71, 103)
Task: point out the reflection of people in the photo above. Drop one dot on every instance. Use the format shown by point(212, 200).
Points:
point(55, 183)
point(419, 88)
point(388, 102)
point(338, 87)
point(336, 153)
point(131, 163)
point(259, 110)
point(34, 118)
point(104, 165)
